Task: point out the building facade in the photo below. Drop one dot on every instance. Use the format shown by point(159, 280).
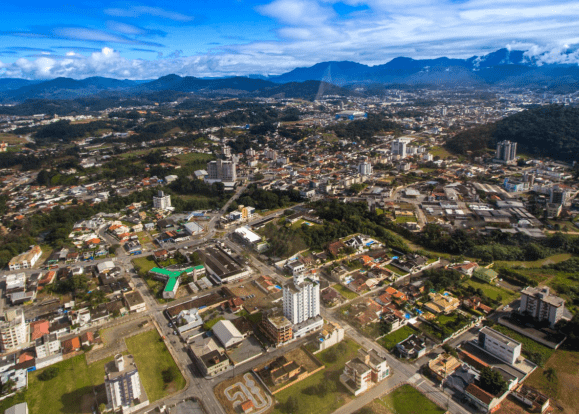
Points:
point(15, 331)
point(221, 170)
point(364, 371)
point(301, 299)
point(499, 345)
point(506, 151)
point(26, 260)
point(162, 201)
point(123, 385)
point(542, 305)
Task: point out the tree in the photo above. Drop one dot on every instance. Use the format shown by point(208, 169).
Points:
point(492, 381)
point(48, 374)
point(169, 375)
point(550, 374)
point(292, 405)
point(385, 327)
point(102, 407)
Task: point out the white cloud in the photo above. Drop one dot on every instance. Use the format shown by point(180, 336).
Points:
point(138, 11)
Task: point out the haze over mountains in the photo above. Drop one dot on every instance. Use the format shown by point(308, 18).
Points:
point(502, 68)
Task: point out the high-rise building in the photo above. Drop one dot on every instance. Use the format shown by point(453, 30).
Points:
point(221, 170)
point(15, 331)
point(558, 196)
point(250, 152)
point(365, 168)
point(399, 147)
point(162, 201)
point(506, 151)
point(270, 154)
point(542, 305)
point(123, 385)
point(301, 299)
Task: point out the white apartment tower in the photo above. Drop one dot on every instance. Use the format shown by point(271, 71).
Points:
point(542, 305)
point(365, 168)
point(14, 331)
point(162, 201)
point(123, 385)
point(301, 299)
point(399, 147)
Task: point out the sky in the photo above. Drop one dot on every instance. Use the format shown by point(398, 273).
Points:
point(217, 38)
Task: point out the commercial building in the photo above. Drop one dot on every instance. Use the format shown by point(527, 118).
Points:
point(221, 267)
point(506, 151)
point(14, 331)
point(247, 237)
point(364, 371)
point(301, 299)
point(351, 115)
point(162, 201)
point(123, 385)
point(542, 305)
point(25, 260)
point(499, 345)
point(134, 302)
point(227, 333)
point(221, 171)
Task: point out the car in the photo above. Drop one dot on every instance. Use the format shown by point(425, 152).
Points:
point(174, 332)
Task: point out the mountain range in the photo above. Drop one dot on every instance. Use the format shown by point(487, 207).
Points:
point(502, 68)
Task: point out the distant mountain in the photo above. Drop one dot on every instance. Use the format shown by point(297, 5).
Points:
point(308, 90)
point(505, 68)
point(546, 131)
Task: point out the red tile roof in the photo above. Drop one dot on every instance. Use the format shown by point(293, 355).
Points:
point(39, 329)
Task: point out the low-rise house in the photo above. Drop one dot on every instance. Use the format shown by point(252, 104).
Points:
point(364, 371)
point(442, 303)
point(486, 275)
point(134, 302)
point(411, 347)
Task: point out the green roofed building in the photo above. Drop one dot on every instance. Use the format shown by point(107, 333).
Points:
point(171, 287)
point(172, 277)
point(486, 275)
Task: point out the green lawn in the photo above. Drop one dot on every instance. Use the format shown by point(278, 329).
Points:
point(405, 219)
point(345, 292)
point(144, 264)
point(322, 404)
point(534, 351)
point(194, 157)
point(152, 358)
point(408, 400)
point(439, 151)
point(557, 258)
point(65, 392)
point(389, 341)
point(211, 323)
point(493, 292)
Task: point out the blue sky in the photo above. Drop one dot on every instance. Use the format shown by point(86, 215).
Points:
point(148, 39)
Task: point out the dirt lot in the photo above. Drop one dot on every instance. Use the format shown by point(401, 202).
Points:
point(511, 406)
point(260, 299)
point(302, 358)
point(227, 405)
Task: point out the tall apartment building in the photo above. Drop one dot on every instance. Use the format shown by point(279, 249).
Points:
point(365, 168)
point(47, 345)
point(270, 154)
point(221, 170)
point(506, 151)
point(398, 147)
point(558, 196)
point(499, 345)
point(123, 385)
point(277, 328)
point(14, 331)
point(26, 260)
point(162, 201)
point(250, 152)
point(301, 299)
point(542, 305)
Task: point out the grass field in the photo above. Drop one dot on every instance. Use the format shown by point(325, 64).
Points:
point(389, 341)
point(408, 400)
point(557, 258)
point(194, 157)
point(440, 152)
point(405, 219)
point(144, 264)
point(152, 358)
point(534, 351)
point(345, 292)
point(11, 139)
point(322, 404)
point(565, 386)
point(71, 391)
point(493, 292)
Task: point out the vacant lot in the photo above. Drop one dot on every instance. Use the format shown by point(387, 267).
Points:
point(408, 400)
point(144, 264)
point(334, 359)
point(557, 258)
point(153, 359)
point(345, 292)
point(564, 386)
point(389, 341)
point(493, 292)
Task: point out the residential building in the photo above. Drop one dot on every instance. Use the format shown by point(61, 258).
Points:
point(499, 345)
point(483, 400)
point(443, 365)
point(47, 345)
point(14, 331)
point(123, 385)
point(134, 302)
point(26, 260)
point(411, 347)
point(542, 305)
point(364, 371)
point(506, 151)
point(301, 299)
point(330, 335)
point(365, 168)
point(221, 170)
point(162, 201)
point(442, 303)
point(484, 274)
point(398, 147)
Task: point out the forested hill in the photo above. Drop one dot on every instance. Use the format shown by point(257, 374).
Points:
point(547, 131)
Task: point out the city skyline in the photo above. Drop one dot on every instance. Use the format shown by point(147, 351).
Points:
point(146, 40)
